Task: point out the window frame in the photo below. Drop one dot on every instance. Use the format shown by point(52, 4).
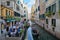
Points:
point(17, 7)
point(59, 4)
point(6, 12)
point(54, 8)
point(8, 3)
point(53, 22)
point(46, 21)
point(38, 8)
point(46, 0)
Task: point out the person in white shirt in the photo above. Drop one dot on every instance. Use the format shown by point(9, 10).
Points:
point(29, 31)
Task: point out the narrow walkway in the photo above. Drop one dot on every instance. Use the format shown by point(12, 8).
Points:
point(26, 38)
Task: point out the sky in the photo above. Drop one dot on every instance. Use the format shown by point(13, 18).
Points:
point(29, 3)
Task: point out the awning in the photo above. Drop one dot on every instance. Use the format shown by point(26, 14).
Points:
point(17, 19)
point(13, 19)
point(10, 20)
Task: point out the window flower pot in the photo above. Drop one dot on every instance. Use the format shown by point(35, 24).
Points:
point(48, 14)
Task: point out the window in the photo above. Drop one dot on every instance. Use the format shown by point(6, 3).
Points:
point(36, 10)
point(24, 15)
point(54, 8)
point(46, 0)
point(46, 21)
point(46, 10)
point(8, 3)
point(17, 7)
point(6, 12)
point(39, 8)
point(59, 5)
point(49, 8)
point(9, 13)
point(42, 16)
point(54, 22)
point(39, 16)
point(24, 11)
point(18, 2)
point(22, 5)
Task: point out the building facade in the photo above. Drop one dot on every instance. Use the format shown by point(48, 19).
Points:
point(53, 16)
point(49, 15)
point(42, 12)
point(33, 13)
point(14, 5)
point(25, 13)
point(7, 14)
point(37, 9)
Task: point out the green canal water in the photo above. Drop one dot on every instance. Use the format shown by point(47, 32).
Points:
point(44, 35)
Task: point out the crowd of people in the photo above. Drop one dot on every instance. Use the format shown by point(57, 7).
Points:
point(21, 27)
point(15, 30)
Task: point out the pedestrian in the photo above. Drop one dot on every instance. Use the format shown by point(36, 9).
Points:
point(7, 30)
point(17, 34)
point(18, 30)
point(29, 31)
point(26, 24)
point(4, 32)
point(9, 34)
point(14, 26)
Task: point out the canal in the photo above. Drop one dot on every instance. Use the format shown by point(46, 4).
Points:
point(44, 35)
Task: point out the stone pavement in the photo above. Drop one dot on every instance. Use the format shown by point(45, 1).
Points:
point(10, 38)
point(26, 37)
point(2, 37)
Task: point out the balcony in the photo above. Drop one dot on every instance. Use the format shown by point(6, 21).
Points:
point(49, 14)
point(42, 16)
point(16, 14)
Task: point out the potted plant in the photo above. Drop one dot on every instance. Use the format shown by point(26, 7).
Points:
point(21, 32)
point(48, 14)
